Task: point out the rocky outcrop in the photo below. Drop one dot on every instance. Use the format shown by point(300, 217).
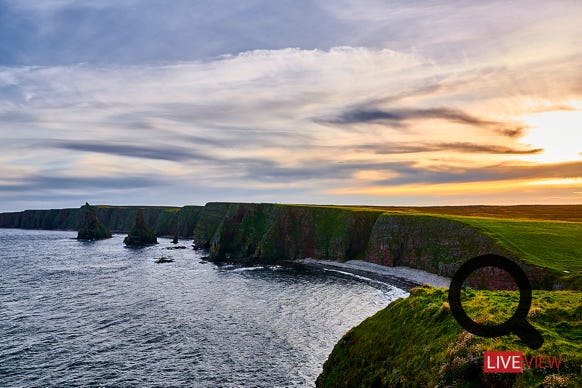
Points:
point(161, 260)
point(90, 227)
point(140, 234)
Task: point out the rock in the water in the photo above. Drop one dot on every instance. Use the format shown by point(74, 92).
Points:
point(177, 247)
point(140, 234)
point(200, 247)
point(90, 227)
point(160, 260)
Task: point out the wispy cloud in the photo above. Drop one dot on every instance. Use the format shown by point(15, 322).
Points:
point(37, 183)
point(461, 147)
point(402, 117)
point(192, 101)
point(175, 154)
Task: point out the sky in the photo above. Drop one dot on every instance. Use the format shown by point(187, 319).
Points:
point(146, 102)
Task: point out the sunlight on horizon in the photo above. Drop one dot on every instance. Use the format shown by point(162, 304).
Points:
point(558, 132)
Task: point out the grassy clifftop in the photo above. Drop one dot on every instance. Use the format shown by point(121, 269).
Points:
point(416, 342)
point(572, 213)
point(556, 245)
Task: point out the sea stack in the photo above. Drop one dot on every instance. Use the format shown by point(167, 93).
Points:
point(90, 227)
point(140, 234)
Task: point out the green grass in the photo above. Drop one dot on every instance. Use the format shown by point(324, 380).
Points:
point(416, 342)
point(572, 213)
point(556, 245)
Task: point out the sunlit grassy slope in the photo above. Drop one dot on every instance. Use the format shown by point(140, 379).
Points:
point(416, 342)
point(571, 213)
point(540, 235)
point(556, 245)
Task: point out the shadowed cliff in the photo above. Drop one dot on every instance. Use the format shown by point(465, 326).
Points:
point(165, 221)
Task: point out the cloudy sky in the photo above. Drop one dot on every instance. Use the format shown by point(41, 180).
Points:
point(301, 101)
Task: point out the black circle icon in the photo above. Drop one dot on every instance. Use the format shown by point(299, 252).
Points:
point(518, 323)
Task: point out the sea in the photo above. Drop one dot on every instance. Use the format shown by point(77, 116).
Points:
point(76, 313)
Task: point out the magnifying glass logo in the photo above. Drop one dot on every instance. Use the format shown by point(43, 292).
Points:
point(518, 323)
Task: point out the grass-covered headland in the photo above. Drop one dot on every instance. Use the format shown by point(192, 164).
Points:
point(416, 342)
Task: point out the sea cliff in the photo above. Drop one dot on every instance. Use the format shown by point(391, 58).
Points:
point(166, 221)
point(436, 240)
point(269, 233)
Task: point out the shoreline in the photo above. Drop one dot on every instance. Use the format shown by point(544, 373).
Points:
point(405, 278)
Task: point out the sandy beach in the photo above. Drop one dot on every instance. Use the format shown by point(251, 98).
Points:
point(402, 277)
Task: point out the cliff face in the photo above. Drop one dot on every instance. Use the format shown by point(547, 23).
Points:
point(268, 233)
point(209, 218)
point(440, 245)
point(121, 219)
point(431, 243)
point(65, 219)
point(166, 221)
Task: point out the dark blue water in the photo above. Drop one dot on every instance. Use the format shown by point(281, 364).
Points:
point(96, 313)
